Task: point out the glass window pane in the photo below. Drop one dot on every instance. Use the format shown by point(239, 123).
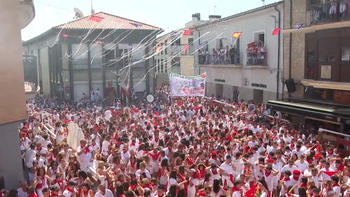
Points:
point(80, 56)
point(345, 54)
point(96, 55)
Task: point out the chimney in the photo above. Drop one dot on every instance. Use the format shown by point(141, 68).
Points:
point(214, 17)
point(196, 17)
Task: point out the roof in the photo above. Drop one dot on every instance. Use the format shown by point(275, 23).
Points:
point(239, 14)
point(108, 21)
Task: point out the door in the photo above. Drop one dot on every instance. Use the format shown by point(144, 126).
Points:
point(219, 91)
point(258, 96)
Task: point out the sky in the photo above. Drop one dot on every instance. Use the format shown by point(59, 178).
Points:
point(166, 14)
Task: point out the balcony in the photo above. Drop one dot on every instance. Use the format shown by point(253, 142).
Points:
point(256, 54)
point(27, 12)
point(220, 58)
point(182, 49)
point(334, 11)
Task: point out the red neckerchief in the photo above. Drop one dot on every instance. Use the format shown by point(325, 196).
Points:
point(72, 191)
point(125, 151)
point(156, 139)
point(33, 195)
point(86, 193)
point(93, 144)
point(190, 160)
point(86, 150)
point(296, 179)
point(202, 173)
point(303, 185)
point(200, 193)
point(215, 172)
point(132, 187)
point(54, 194)
point(40, 148)
point(335, 185)
point(267, 174)
point(154, 156)
point(132, 144)
point(59, 182)
point(286, 179)
point(169, 148)
point(235, 189)
point(132, 164)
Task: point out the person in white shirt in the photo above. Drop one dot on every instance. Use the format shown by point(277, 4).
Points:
point(105, 146)
point(228, 172)
point(302, 164)
point(70, 191)
point(22, 191)
point(103, 192)
point(335, 185)
point(84, 155)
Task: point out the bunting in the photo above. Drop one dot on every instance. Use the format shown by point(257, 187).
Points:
point(298, 26)
point(186, 48)
point(158, 49)
point(187, 32)
point(276, 31)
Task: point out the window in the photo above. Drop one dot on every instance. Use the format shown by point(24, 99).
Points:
point(161, 52)
point(158, 66)
point(80, 56)
point(166, 49)
point(345, 54)
point(166, 67)
point(96, 56)
point(161, 66)
point(261, 37)
point(190, 41)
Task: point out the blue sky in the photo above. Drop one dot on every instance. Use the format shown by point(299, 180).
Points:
point(161, 13)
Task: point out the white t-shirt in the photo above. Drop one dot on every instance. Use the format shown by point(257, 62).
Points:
point(107, 194)
point(302, 166)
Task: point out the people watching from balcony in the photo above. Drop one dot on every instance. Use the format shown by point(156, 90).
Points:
point(329, 11)
point(219, 56)
point(256, 53)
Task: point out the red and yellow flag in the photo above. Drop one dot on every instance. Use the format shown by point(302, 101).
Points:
point(158, 49)
point(237, 34)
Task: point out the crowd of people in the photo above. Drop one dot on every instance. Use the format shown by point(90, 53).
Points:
point(172, 147)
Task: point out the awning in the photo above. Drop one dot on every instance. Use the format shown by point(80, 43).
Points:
point(327, 85)
point(316, 111)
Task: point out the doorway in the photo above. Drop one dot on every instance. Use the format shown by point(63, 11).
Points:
point(258, 96)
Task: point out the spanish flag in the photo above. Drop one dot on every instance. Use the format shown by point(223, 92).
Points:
point(237, 34)
point(158, 49)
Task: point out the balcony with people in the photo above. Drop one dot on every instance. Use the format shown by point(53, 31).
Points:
point(220, 56)
point(329, 11)
point(256, 54)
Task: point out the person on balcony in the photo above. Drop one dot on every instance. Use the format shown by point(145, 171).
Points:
point(207, 57)
point(261, 55)
point(232, 54)
point(344, 8)
point(333, 9)
point(227, 55)
point(215, 56)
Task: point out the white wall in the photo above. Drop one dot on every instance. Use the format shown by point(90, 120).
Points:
point(249, 24)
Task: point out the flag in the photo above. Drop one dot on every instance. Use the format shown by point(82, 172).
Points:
point(251, 191)
point(99, 42)
point(326, 175)
point(96, 18)
point(276, 31)
point(65, 35)
point(237, 34)
point(251, 44)
point(136, 25)
point(257, 191)
point(186, 48)
point(158, 49)
point(298, 26)
point(187, 32)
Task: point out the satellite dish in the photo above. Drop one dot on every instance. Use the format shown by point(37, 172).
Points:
point(78, 13)
point(150, 98)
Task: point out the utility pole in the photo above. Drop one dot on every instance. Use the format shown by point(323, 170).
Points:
point(214, 9)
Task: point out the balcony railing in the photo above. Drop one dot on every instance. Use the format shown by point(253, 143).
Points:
point(224, 58)
point(182, 50)
point(337, 10)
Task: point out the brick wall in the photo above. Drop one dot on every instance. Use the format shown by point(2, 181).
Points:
point(298, 44)
point(342, 97)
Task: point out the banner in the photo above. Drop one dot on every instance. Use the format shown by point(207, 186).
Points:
point(180, 85)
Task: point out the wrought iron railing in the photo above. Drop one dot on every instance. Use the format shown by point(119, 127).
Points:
point(337, 10)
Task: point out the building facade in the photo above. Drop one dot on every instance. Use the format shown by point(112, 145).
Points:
point(316, 64)
point(178, 53)
point(15, 15)
point(245, 68)
point(92, 55)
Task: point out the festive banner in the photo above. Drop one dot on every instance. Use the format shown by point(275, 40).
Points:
point(187, 85)
point(236, 34)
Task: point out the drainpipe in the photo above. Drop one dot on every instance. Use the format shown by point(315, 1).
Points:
point(278, 53)
point(290, 40)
